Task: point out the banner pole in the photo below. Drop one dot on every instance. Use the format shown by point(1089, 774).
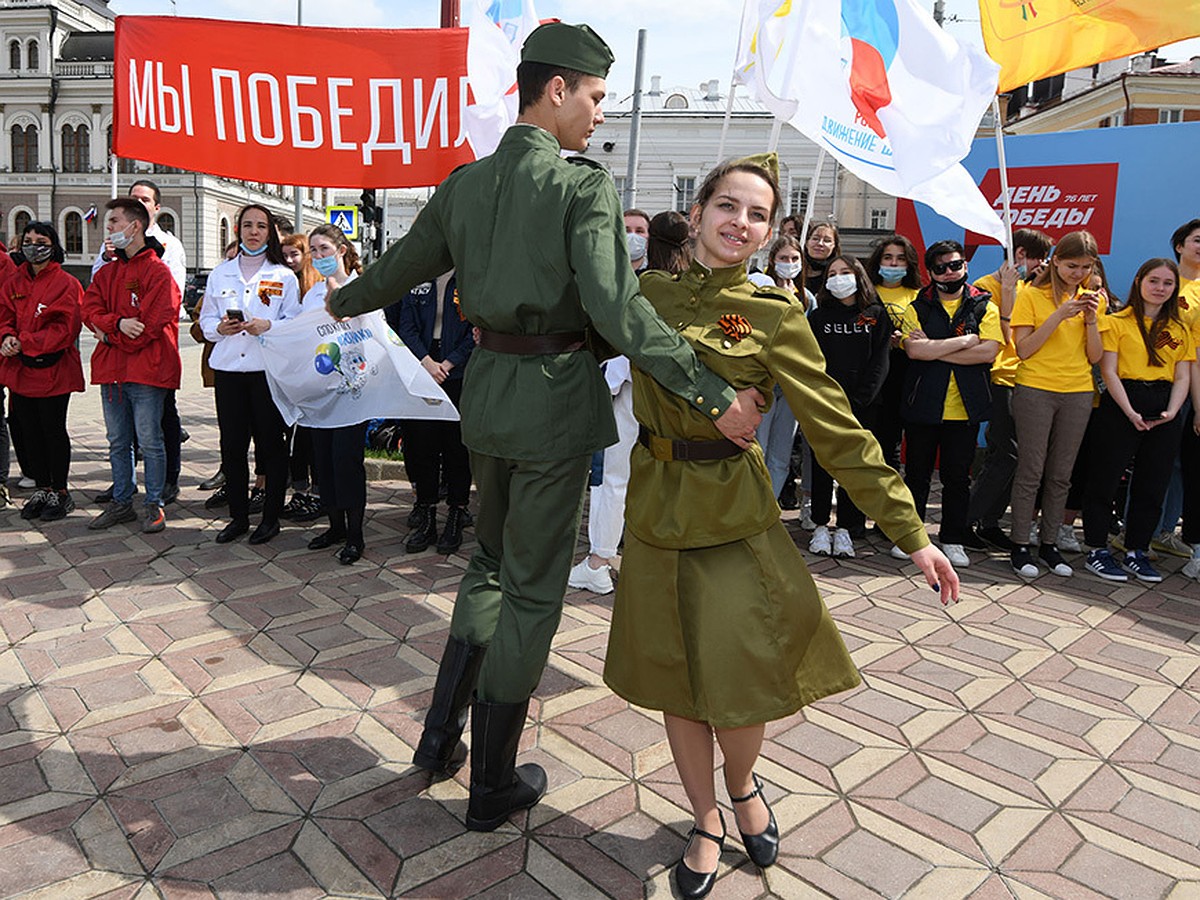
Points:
point(1008, 229)
point(728, 116)
point(812, 196)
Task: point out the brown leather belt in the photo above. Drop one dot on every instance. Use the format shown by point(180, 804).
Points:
point(531, 344)
point(666, 450)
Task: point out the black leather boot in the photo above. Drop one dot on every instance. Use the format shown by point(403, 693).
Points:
point(499, 787)
point(441, 749)
point(451, 539)
point(424, 533)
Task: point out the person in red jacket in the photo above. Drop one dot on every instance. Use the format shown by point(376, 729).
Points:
point(132, 306)
point(39, 363)
point(7, 267)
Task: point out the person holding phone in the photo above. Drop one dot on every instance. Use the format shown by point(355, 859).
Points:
point(243, 297)
point(1056, 332)
point(1146, 367)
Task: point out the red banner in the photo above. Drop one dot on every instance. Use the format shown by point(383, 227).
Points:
point(1056, 200)
point(327, 107)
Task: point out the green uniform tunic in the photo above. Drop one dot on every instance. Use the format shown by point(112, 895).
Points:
point(538, 246)
point(716, 617)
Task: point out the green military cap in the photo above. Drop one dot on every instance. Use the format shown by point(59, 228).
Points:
point(769, 162)
point(574, 47)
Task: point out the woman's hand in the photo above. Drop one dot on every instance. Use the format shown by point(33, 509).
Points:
point(257, 326)
point(939, 573)
point(228, 326)
point(1167, 416)
point(1073, 307)
point(1135, 418)
point(434, 369)
point(10, 346)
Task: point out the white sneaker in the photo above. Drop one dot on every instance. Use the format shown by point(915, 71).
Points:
point(1170, 542)
point(584, 578)
point(1067, 539)
point(821, 544)
point(897, 553)
point(1035, 534)
point(27, 484)
point(843, 544)
point(1191, 568)
point(957, 555)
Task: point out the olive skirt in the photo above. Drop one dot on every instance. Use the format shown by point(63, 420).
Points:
point(731, 635)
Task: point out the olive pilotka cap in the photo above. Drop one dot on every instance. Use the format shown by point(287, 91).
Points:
point(574, 47)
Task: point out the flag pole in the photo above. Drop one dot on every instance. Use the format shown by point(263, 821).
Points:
point(1008, 229)
point(812, 196)
point(728, 116)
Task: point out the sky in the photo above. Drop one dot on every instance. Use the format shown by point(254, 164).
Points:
point(687, 41)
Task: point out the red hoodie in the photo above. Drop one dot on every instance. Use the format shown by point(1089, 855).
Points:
point(139, 288)
point(42, 312)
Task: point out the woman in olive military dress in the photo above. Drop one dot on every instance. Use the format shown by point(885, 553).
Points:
point(717, 621)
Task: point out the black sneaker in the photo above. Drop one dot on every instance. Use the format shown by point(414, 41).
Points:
point(114, 514)
point(311, 510)
point(972, 541)
point(258, 499)
point(57, 506)
point(34, 505)
point(1048, 553)
point(219, 497)
point(293, 506)
point(994, 535)
point(1022, 562)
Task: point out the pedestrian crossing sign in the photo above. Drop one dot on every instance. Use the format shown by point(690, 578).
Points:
point(344, 218)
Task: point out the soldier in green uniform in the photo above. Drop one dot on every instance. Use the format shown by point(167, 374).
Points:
point(539, 248)
point(717, 621)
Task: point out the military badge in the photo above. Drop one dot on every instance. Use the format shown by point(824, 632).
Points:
point(735, 327)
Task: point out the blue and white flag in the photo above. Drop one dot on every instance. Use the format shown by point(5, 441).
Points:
point(327, 374)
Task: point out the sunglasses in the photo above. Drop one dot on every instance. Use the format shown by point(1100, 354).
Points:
point(955, 265)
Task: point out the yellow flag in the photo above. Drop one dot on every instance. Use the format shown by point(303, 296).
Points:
point(1034, 39)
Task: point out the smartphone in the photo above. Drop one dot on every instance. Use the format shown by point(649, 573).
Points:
point(1153, 417)
point(235, 314)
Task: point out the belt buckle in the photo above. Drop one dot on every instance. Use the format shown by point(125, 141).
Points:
point(662, 448)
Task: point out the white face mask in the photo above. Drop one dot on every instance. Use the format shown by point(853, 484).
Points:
point(841, 286)
point(120, 239)
point(788, 270)
point(636, 244)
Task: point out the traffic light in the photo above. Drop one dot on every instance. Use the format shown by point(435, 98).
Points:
point(369, 209)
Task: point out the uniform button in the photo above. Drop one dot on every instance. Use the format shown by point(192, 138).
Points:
point(680, 325)
point(699, 399)
point(726, 344)
point(714, 411)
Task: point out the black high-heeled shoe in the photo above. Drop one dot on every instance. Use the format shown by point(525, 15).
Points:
point(763, 849)
point(693, 885)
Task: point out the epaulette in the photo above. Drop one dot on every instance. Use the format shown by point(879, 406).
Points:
point(585, 161)
point(775, 293)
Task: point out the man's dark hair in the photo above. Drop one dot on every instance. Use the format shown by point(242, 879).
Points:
point(1036, 244)
point(532, 78)
point(1181, 235)
point(133, 210)
point(146, 182)
point(941, 248)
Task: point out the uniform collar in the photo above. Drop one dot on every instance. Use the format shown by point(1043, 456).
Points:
point(525, 136)
point(699, 273)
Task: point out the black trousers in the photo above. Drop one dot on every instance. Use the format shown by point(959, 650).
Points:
point(433, 447)
point(245, 410)
point(955, 442)
point(993, 483)
point(1190, 460)
point(849, 516)
point(338, 456)
point(889, 428)
point(172, 433)
point(1152, 454)
point(301, 465)
point(42, 424)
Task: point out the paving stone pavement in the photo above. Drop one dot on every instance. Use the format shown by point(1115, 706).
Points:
point(187, 720)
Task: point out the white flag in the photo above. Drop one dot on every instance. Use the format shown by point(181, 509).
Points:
point(496, 32)
point(879, 85)
point(328, 374)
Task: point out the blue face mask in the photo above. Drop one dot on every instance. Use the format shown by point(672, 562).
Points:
point(326, 265)
point(892, 274)
point(248, 252)
point(1022, 270)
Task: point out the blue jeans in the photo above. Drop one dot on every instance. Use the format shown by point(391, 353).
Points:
point(775, 434)
point(135, 409)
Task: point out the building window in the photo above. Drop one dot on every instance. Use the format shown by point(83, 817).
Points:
point(166, 170)
point(76, 148)
point(14, 55)
point(223, 235)
point(1169, 116)
point(799, 201)
point(32, 62)
point(20, 223)
point(124, 166)
point(166, 222)
point(73, 234)
point(879, 219)
point(24, 148)
point(685, 192)
point(619, 184)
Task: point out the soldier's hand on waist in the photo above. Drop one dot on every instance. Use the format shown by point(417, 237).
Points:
point(739, 421)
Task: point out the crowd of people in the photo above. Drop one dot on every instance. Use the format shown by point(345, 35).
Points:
point(132, 307)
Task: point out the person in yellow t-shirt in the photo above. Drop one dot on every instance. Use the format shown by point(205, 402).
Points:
point(1056, 333)
point(951, 335)
point(993, 482)
point(1148, 352)
point(895, 271)
point(1186, 244)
